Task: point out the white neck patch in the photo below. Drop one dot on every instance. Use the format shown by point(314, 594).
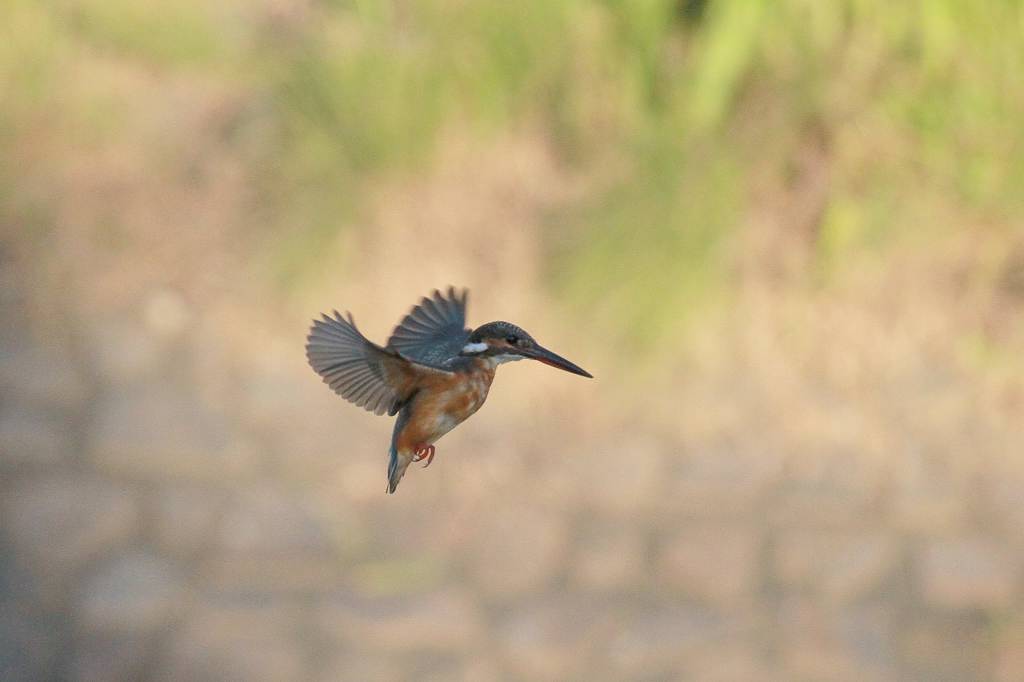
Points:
point(475, 347)
point(506, 357)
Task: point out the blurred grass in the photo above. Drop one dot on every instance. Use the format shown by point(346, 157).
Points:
point(680, 111)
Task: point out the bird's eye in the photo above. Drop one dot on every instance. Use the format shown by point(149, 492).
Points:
point(513, 339)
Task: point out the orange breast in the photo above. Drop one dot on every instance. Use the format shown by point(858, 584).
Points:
point(442, 404)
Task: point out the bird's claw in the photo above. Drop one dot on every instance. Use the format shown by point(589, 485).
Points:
point(426, 452)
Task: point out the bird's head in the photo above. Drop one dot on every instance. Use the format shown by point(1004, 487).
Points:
point(504, 342)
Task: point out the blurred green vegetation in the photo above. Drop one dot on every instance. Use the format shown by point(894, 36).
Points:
point(682, 111)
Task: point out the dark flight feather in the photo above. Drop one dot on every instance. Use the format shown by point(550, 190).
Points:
point(377, 379)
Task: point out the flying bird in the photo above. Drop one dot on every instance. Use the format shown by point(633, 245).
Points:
point(434, 373)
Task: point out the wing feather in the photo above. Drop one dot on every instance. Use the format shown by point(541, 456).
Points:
point(377, 379)
point(434, 331)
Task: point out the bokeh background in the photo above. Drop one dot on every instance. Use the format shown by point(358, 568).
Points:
point(787, 238)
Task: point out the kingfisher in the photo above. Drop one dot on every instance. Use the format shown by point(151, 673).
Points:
point(433, 372)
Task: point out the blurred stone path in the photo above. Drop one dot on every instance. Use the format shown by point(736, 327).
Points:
point(170, 517)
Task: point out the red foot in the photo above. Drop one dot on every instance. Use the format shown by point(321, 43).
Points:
point(424, 452)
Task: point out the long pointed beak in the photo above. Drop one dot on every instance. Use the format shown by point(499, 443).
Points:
point(548, 358)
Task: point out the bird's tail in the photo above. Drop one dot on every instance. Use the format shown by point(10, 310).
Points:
point(397, 464)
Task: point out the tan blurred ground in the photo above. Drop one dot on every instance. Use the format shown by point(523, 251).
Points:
point(808, 480)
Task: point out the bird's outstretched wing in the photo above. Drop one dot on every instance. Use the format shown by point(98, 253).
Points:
point(434, 332)
point(377, 379)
